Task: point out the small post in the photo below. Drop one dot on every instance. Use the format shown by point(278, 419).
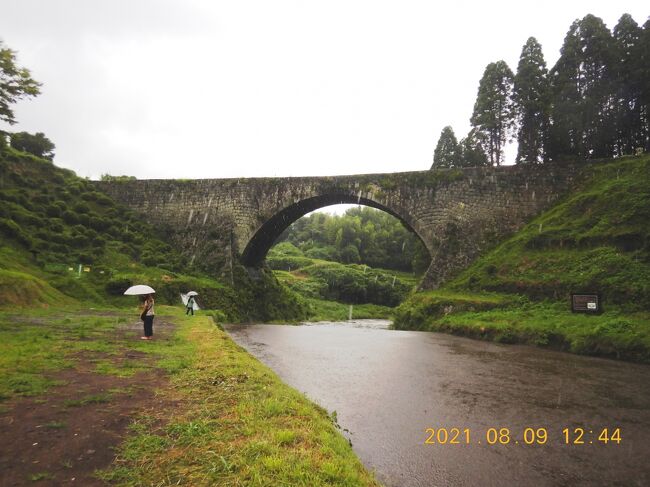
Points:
point(79, 271)
point(350, 313)
point(393, 281)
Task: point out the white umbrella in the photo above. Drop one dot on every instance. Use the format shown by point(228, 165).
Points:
point(139, 289)
point(186, 297)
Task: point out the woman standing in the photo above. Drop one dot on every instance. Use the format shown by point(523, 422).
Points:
point(147, 316)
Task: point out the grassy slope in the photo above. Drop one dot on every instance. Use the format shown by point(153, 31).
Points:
point(597, 239)
point(329, 288)
point(22, 283)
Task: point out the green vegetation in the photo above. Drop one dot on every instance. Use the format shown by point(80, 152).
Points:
point(614, 334)
point(592, 104)
point(36, 144)
point(447, 152)
point(63, 221)
point(35, 344)
point(364, 258)
point(424, 309)
point(322, 310)
point(15, 83)
point(41, 476)
point(233, 421)
point(596, 240)
point(360, 236)
point(238, 425)
point(92, 399)
point(493, 117)
point(530, 94)
point(329, 288)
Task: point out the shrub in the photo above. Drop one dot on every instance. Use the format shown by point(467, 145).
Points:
point(81, 207)
point(79, 241)
point(69, 217)
point(12, 230)
point(53, 211)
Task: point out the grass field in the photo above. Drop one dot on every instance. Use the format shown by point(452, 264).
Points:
point(229, 420)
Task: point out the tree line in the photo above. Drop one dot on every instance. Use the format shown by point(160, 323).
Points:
point(360, 236)
point(594, 103)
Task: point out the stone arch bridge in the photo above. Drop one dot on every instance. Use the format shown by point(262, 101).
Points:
point(457, 213)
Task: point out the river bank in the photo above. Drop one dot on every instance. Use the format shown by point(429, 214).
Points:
point(210, 414)
point(502, 318)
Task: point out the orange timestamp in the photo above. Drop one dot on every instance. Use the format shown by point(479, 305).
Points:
point(527, 436)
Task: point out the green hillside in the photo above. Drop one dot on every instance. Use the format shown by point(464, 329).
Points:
point(54, 224)
point(596, 240)
point(329, 287)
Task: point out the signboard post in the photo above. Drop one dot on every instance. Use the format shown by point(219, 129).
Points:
point(586, 303)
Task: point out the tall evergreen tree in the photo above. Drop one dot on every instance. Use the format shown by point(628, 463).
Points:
point(644, 86)
point(582, 113)
point(471, 151)
point(446, 153)
point(531, 97)
point(493, 116)
point(628, 80)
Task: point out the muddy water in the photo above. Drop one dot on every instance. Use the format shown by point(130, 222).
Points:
point(387, 387)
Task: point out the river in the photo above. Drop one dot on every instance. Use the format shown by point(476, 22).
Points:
point(387, 387)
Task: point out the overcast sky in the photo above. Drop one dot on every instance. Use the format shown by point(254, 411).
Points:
point(198, 89)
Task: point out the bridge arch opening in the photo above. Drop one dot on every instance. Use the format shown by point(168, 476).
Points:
point(268, 233)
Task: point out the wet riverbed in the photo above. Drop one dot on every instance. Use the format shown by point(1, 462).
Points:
point(387, 387)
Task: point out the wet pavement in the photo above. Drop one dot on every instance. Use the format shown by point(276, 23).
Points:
point(387, 387)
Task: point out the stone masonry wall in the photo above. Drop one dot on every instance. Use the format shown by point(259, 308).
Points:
point(456, 213)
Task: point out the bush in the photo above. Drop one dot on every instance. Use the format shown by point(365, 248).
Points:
point(285, 249)
point(79, 241)
point(70, 218)
point(55, 225)
point(81, 207)
point(288, 263)
point(323, 253)
point(99, 224)
point(53, 211)
point(12, 230)
point(117, 286)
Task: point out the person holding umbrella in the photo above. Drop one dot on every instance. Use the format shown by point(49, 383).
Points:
point(190, 302)
point(147, 314)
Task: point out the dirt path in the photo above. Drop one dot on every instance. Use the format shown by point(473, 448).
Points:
point(64, 436)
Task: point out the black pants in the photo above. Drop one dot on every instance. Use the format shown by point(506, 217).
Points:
point(148, 326)
point(189, 308)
